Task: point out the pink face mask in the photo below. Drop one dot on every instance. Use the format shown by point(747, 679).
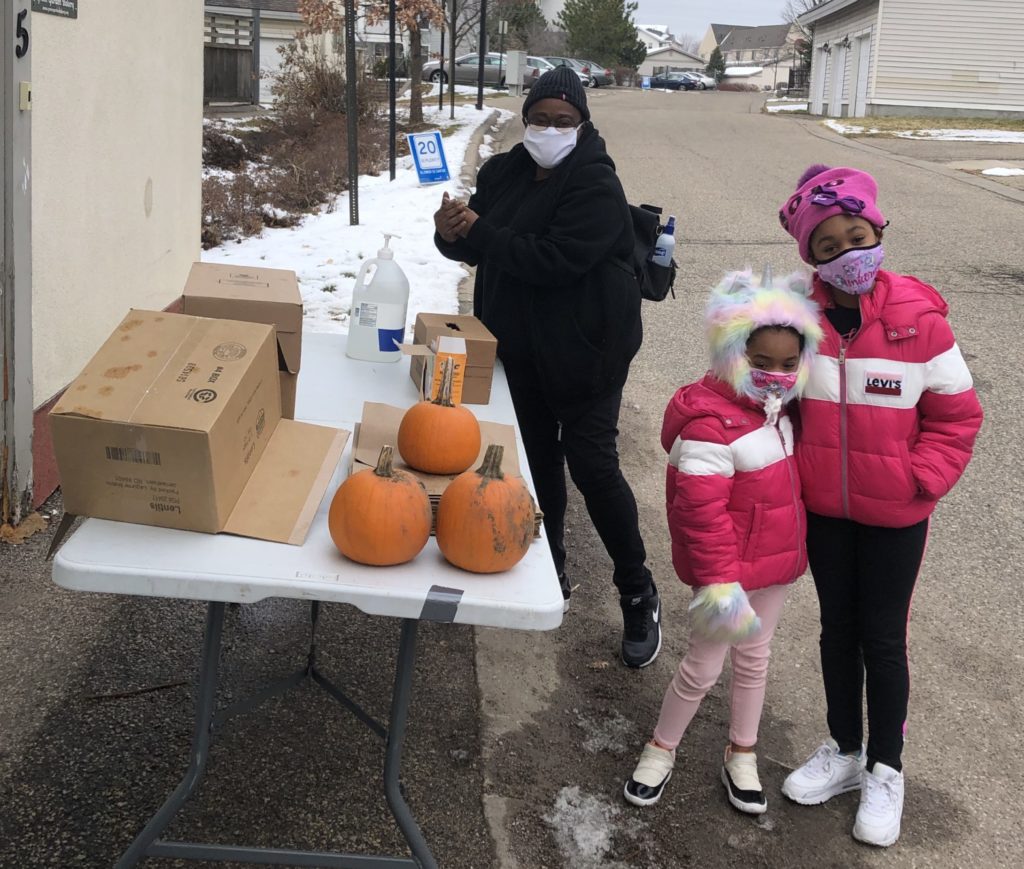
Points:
point(853, 271)
point(779, 382)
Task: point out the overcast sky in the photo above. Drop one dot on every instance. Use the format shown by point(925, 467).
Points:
point(693, 16)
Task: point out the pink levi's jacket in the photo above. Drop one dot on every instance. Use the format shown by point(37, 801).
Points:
point(732, 490)
point(888, 419)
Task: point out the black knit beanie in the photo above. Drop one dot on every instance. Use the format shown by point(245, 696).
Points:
point(560, 83)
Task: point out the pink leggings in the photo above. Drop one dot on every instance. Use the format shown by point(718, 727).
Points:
point(702, 666)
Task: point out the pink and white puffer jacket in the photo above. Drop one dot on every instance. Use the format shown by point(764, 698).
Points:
point(888, 419)
point(732, 490)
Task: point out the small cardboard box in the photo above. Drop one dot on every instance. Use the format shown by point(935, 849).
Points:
point(176, 422)
point(257, 295)
point(481, 349)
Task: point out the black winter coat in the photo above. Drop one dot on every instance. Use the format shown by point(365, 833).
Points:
point(551, 283)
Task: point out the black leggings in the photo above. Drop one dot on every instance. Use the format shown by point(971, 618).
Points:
point(865, 578)
point(586, 442)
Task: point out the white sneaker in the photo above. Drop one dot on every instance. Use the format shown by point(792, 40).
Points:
point(739, 775)
point(881, 807)
point(825, 774)
point(652, 773)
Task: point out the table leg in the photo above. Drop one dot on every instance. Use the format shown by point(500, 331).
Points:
point(396, 735)
point(205, 698)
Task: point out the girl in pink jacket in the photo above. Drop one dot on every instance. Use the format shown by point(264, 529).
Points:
point(889, 418)
point(736, 517)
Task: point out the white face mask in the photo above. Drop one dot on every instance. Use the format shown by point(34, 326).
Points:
point(549, 146)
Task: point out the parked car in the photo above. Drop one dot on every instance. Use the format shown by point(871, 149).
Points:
point(578, 66)
point(704, 82)
point(673, 81)
point(467, 69)
point(600, 75)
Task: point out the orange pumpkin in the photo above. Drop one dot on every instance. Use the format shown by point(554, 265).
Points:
point(439, 436)
point(379, 515)
point(485, 520)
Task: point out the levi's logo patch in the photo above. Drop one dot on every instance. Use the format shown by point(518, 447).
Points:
point(877, 383)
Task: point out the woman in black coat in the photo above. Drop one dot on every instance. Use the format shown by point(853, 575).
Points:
point(550, 233)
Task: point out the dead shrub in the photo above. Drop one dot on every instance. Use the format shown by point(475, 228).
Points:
point(222, 150)
point(742, 87)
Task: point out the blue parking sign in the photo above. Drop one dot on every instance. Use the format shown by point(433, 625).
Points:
point(645, 82)
point(428, 155)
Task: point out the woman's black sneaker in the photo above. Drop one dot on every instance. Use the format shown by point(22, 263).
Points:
point(563, 581)
point(641, 627)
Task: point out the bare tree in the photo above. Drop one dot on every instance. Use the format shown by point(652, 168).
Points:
point(793, 9)
point(688, 43)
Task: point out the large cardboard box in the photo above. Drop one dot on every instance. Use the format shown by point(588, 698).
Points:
point(481, 350)
point(258, 295)
point(176, 422)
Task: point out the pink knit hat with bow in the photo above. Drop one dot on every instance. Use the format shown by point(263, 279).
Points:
point(823, 192)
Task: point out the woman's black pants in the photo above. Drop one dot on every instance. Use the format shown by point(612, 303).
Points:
point(585, 441)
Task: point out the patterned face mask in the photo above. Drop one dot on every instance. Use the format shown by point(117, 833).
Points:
point(779, 382)
point(853, 271)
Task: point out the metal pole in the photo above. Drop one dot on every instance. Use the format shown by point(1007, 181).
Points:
point(255, 38)
point(16, 262)
point(440, 66)
point(451, 63)
point(351, 110)
point(502, 27)
point(392, 129)
point(482, 49)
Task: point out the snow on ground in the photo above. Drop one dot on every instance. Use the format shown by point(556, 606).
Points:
point(326, 253)
point(460, 89)
point(585, 827)
point(848, 129)
point(993, 136)
point(615, 734)
point(786, 105)
point(1002, 171)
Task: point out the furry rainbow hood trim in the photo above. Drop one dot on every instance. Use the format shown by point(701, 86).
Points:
point(739, 305)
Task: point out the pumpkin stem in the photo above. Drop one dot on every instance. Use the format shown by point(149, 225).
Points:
point(491, 468)
point(385, 462)
point(444, 394)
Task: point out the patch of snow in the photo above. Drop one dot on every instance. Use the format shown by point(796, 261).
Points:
point(993, 136)
point(613, 734)
point(787, 107)
point(850, 129)
point(585, 826)
point(1002, 171)
point(274, 213)
point(460, 89)
point(326, 253)
point(225, 175)
point(742, 71)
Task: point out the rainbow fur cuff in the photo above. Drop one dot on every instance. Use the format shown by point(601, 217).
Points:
point(722, 613)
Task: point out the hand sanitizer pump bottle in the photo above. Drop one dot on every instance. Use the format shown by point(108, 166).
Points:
point(377, 322)
point(665, 246)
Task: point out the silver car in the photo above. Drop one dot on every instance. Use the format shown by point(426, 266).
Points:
point(702, 81)
point(467, 69)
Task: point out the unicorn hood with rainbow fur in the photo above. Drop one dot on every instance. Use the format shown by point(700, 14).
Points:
point(738, 306)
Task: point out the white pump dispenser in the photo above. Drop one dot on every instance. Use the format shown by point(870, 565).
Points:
point(377, 321)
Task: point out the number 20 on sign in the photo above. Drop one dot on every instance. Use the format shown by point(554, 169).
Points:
point(428, 156)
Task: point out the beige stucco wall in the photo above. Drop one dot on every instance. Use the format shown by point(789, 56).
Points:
point(116, 172)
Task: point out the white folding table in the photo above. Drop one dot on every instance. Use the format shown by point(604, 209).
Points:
point(121, 558)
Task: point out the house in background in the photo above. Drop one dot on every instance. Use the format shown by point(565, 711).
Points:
point(671, 58)
point(906, 57)
point(243, 41)
point(655, 36)
point(760, 56)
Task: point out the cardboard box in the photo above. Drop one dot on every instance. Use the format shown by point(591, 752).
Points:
point(481, 350)
point(176, 422)
point(256, 295)
point(289, 386)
